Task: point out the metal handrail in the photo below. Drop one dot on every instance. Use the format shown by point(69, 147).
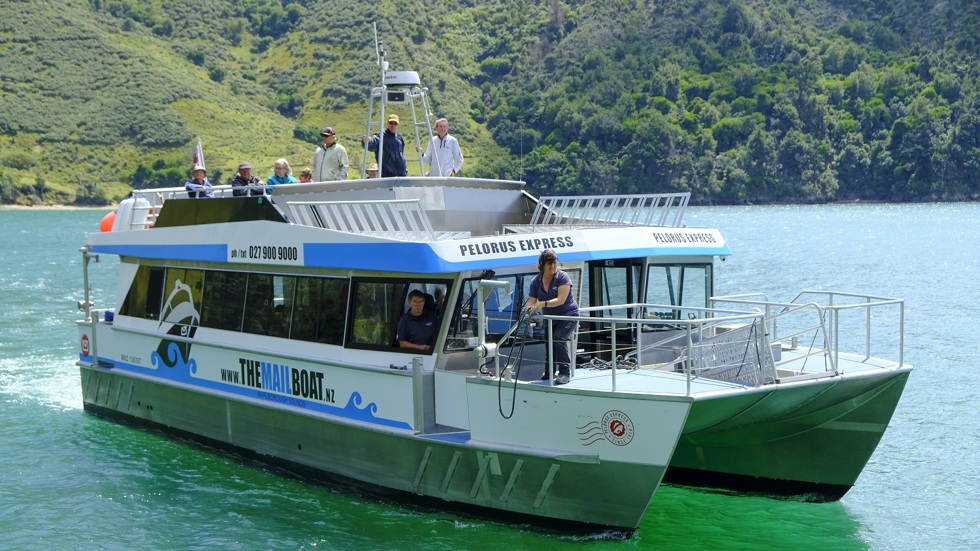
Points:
point(395, 218)
point(659, 209)
point(831, 337)
point(699, 330)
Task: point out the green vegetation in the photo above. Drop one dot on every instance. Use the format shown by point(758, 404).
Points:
point(736, 101)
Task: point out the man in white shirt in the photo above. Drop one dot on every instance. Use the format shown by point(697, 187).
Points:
point(443, 154)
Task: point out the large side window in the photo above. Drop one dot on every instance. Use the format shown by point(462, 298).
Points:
point(145, 295)
point(377, 308)
point(224, 300)
point(269, 304)
point(182, 296)
point(319, 311)
point(678, 285)
point(502, 310)
point(379, 305)
point(614, 282)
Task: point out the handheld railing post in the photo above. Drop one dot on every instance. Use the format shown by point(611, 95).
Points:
point(836, 334)
point(550, 367)
point(418, 394)
point(867, 328)
point(901, 333)
point(613, 354)
point(86, 304)
point(689, 355)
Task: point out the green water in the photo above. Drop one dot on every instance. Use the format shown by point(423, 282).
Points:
point(71, 481)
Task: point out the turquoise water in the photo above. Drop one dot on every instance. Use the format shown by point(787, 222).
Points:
point(71, 481)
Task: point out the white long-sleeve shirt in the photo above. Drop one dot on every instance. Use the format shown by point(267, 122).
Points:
point(443, 156)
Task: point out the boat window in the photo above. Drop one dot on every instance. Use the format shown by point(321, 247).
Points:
point(378, 305)
point(318, 312)
point(678, 285)
point(145, 295)
point(178, 307)
point(269, 304)
point(502, 310)
point(614, 282)
point(224, 304)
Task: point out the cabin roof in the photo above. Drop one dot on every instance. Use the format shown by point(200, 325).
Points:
point(440, 225)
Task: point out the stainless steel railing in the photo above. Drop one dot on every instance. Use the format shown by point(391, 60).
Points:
point(719, 344)
point(818, 316)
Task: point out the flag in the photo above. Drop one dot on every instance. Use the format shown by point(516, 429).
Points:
point(199, 155)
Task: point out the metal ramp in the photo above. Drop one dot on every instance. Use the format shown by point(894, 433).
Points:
point(402, 219)
point(659, 209)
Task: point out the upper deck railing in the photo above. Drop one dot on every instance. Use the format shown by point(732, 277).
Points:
point(659, 209)
point(403, 219)
point(379, 208)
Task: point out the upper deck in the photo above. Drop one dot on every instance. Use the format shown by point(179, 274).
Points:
point(434, 225)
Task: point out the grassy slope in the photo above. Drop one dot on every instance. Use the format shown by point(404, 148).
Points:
point(233, 118)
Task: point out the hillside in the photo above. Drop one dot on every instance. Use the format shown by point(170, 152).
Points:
point(736, 101)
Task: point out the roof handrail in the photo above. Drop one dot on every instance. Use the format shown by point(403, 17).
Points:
point(657, 209)
point(402, 219)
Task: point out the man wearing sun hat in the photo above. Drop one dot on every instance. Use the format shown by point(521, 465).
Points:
point(198, 185)
point(330, 159)
point(393, 163)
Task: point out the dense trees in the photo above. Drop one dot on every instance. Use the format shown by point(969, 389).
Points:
point(736, 101)
point(751, 101)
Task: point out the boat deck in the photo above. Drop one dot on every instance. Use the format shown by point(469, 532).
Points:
point(796, 365)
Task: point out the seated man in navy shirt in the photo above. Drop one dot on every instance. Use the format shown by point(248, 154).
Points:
point(417, 328)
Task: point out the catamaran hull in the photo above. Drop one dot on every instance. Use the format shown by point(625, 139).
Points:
point(551, 489)
point(809, 439)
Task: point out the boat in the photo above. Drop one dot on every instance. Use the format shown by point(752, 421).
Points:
point(270, 332)
point(266, 324)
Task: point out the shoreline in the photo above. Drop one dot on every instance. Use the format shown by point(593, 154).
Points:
point(55, 207)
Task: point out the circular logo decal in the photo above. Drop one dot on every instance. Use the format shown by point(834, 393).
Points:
point(85, 345)
point(617, 427)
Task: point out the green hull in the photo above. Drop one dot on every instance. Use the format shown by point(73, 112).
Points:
point(808, 439)
point(528, 485)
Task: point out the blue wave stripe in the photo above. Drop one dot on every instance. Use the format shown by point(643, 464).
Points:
point(354, 409)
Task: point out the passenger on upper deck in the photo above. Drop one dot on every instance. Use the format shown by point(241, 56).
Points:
point(245, 179)
point(281, 174)
point(551, 291)
point(198, 185)
point(393, 163)
point(305, 175)
point(443, 154)
point(372, 170)
point(330, 160)
point(417, 328)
